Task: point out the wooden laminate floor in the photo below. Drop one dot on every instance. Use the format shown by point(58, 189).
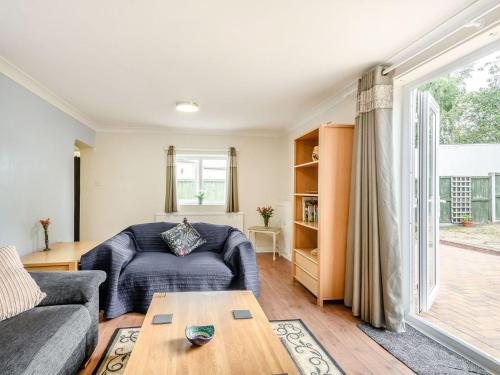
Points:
point(280, 298)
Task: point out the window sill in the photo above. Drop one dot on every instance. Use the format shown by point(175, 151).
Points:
point(197, 213)
point(187, 208)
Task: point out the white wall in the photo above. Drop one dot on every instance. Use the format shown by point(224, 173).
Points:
point(36, 167)
point(123, 177)
point(468, 160)
point(344, 112)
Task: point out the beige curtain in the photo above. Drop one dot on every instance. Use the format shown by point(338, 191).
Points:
point(171, 196)
point(232, 204)
point(373, 285)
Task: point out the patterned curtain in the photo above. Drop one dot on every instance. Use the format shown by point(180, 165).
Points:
point(232, 204)
point(171, 196)
point(374, 284)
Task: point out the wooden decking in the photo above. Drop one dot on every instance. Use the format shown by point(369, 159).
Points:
point(280, 298)
point(468, 303)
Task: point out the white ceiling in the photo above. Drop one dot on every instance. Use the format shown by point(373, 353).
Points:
point(249, 64)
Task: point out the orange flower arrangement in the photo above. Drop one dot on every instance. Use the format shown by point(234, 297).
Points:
point(266, 212)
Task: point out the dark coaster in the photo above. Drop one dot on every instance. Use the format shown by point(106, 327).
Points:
point(162, 319)
point(242, 314)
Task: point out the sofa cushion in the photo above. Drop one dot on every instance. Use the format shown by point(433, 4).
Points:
point(18, 291)
point(182, 239)
point(65, 288)
point(41, 340)
point(215, 235)
point(164, 272)
point(147, 236)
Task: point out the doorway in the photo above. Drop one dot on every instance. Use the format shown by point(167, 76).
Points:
point(76, 206)
point(455, 236)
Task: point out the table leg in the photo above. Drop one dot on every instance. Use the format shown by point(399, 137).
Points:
point(274, 246)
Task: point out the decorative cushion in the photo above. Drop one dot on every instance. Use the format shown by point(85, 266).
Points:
point(182, 239)
point(18, 291)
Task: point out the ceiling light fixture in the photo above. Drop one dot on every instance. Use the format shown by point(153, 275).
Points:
point(187, 106)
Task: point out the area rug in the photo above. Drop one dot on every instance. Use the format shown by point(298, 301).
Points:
point(421, 353)
point(305, 350)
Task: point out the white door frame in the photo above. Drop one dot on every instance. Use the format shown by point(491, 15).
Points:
point(428, 293)
point(454, 343)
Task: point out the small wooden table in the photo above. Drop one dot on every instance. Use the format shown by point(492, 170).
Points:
point(62, 256)
point(247, 346)
point(274, 231)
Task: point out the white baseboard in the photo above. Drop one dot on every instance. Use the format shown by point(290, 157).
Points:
point(264, 250)
point(270, 250)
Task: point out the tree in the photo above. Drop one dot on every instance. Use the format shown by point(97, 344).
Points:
point(468, 116)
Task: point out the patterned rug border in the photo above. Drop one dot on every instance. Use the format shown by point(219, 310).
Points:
point(112, 340)
point(315, 338)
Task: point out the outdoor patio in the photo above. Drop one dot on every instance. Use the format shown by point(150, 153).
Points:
point(468, 303)
point(485, 237)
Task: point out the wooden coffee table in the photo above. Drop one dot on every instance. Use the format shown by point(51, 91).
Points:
point(246, 346)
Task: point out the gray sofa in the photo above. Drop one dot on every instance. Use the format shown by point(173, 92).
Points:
point(58, 335)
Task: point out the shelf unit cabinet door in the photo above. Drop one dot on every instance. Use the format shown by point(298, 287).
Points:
point(334, 185)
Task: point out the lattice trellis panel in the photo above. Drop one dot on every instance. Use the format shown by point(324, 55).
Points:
point(460, 198)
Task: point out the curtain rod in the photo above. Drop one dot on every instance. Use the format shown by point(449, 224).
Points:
point(200, 149)
point(461, 20)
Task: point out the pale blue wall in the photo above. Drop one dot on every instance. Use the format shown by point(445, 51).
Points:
point(36, 167)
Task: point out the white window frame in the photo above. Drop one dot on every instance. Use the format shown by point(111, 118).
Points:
point(406, 102)
point(199, 173)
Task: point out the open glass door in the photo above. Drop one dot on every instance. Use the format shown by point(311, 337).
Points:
point(427, 142)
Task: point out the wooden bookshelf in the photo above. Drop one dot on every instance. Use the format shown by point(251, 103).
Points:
point(327, 180)
point(307, 165)
point(306, 224)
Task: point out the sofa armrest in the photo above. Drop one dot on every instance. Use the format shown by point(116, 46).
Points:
point(65, 288)
point(112, 256)
point(239, 256)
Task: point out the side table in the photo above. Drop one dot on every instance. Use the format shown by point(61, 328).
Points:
point(63, 256)
point(274, 231)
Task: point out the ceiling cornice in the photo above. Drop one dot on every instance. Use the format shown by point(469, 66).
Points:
point(325, 105)
point(37, 88)
point(158, 129)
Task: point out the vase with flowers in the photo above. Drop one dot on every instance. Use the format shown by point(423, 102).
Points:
point(45, 224)
point(266, 212)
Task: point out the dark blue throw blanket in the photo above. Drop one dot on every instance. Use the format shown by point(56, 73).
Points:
point(138, 263)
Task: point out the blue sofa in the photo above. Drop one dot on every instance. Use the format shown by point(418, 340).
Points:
point(138, 263)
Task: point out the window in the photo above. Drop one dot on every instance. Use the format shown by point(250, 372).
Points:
point(201, 173)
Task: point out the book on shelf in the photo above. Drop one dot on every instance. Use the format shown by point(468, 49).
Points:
point(310, 210)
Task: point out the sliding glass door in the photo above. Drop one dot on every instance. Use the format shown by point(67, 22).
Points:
point(450, 193)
